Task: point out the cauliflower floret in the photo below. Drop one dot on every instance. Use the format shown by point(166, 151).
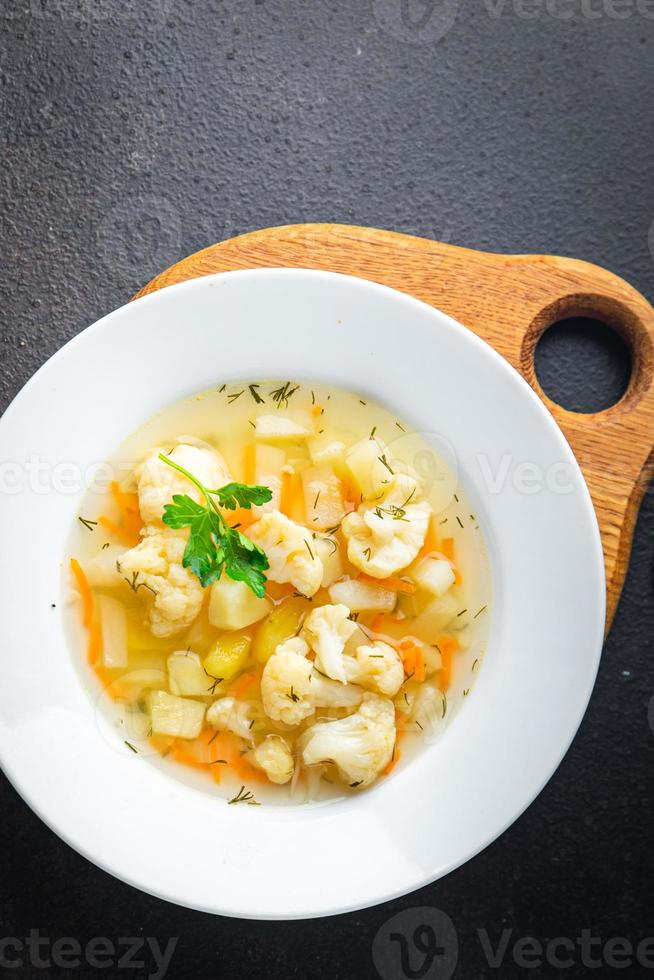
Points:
point(174, 595)
point(274, 757)
point(386, 537)
point(326, 693)
point(286, 689)
point(290, 551)
point(378, 667)
point(360, 745)
point(158, 482)
point(327, 629)
point(229, 715)
point(423, 708)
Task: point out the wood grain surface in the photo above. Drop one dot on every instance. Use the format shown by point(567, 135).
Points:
point(509, 301)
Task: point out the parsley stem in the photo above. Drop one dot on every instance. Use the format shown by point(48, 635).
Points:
point(205, 491)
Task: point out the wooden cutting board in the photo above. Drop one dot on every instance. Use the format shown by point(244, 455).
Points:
point(509, 300)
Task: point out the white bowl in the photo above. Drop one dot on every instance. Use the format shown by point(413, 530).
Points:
point(178, 842)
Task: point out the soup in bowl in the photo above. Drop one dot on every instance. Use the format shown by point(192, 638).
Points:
point(283, 588)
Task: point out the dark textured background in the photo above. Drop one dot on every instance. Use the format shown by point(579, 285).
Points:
point(136, 132)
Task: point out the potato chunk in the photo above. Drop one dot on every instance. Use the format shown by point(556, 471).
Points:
point(364, 460)
point(434, 575)
point(434, 618)
point(171, 715)
point(268, 463)
point(186, 674)
point(323, 497)
point(362, 596)
point(280, 428)
point(282, 623)
point(233, 605)
point(227, 656)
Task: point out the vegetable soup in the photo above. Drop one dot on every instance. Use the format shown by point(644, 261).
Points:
point(282, 594)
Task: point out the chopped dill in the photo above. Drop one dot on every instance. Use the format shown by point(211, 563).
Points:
point(372, 432)
point(466, 692)
point(221, 389)
point(218, 762)
point(444, 705)
point(444, 521)
point(213, 737)
point(133, 749)
point(459, 521)
point(456, 498)
point(292, 696)
point(419, 725)
point(367, 554)
point(315, 503)
point(313, 398)
point(400, 426)
point(88, 524)
point(354, 616)
point(255, 394)
point(384, 462)
point(480, 611)
point(461, 613)
point(253, 424)
point(216, 681)
point(282, 395)
point(244, 796)
point(105, 545)
point(134, 583)
point(309, 548)
point(354, 785)
point(333, 530)
point(475, 665)
point(361, 402)
point(234, 395)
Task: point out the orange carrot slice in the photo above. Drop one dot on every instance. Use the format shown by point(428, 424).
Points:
point(89, 619)
point(448, 645)
point(84, 590)
point(128, 508)
point(243, 684)
point(249, 464)
point(122, 534)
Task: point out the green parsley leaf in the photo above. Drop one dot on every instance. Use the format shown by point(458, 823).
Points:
point(235, 495)
point(213, 546)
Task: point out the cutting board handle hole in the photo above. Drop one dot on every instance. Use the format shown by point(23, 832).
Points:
point(583, 364)
point(589, 354)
